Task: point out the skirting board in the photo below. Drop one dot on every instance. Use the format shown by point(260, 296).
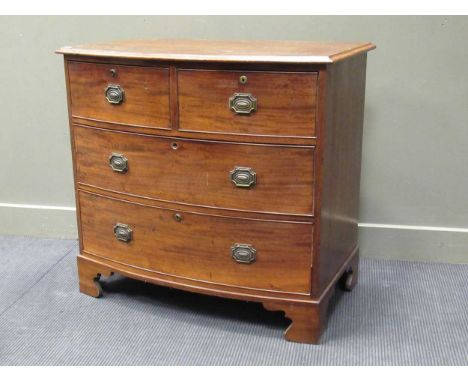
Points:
point(46, 221)
point(413, 243)
point(437, 245)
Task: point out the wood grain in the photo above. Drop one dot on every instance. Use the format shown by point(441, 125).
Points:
point(340, 140)
point(195, 286)
point(146, 101)
point(199, 246)
point(223, 51)
point(198, 172)
point(185, 207)
point(72, 144)
point(286, 102)
point(207, 135)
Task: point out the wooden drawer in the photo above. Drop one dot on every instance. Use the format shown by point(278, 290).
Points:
point(199, 172)
point(140, 94)
point(285, 102)
point(199, 246)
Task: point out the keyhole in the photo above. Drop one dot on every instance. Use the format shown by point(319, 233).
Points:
point(174, 146)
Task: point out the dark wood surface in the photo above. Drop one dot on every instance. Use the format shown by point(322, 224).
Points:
point(207, 135)
point(72, 144)
point(309, 52)
point(199, 246)
point(286, 102)
point(304, 143)
point(216, 211)
point(340, 142)
point(146, 100)
point(198, 172)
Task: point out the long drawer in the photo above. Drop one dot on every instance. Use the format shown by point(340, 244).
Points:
point(244, 177)
point(256, 254)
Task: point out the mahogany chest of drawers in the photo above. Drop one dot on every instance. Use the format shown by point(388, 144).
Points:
point(225, 168)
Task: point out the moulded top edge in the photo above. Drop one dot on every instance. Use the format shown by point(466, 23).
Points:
point(223, 51)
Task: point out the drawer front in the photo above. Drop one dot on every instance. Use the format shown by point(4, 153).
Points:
point(247, 177)
point(248, 103)
point(231, 251)
point(121, 94)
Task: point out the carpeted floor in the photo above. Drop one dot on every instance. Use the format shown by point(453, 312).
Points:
point(400, 313)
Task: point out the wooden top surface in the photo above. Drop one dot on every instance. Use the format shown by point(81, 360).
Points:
point(223, 51)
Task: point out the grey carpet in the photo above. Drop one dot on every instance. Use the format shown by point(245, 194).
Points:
point(24, 261)
point(400, 313)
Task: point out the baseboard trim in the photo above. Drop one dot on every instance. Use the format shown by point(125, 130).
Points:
point(37, 207)
point(413, 227)
point(410, 244)
point(38, 220)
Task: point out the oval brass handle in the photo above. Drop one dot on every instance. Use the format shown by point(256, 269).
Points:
point(243, 103)
point(114, 94)
point(118, 163)
point(243, 177)
point(243, 253)
point(123, 232)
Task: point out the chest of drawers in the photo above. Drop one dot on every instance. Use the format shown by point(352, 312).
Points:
point(225, 168)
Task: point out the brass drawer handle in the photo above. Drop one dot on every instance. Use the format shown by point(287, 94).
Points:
point(118, 163)
point(243, 253)
point(243, 103)
point(243, 177)
point(123, 232)
point(114, 94)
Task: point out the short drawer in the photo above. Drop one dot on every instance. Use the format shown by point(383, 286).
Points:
point(248, 103)
point(246, 177)
point(122, 94)
point(222, 250)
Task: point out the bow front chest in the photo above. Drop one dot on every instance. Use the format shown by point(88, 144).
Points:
point(226, 168)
